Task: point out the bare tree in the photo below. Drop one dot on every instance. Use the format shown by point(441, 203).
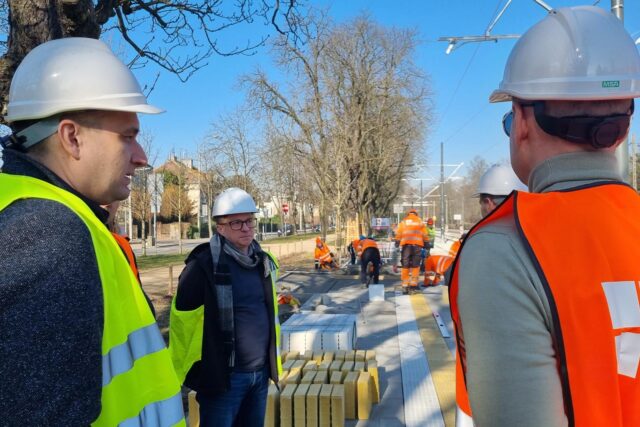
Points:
point(177, 35)
point(141, 189)
point(236, 149)
point(357, 110)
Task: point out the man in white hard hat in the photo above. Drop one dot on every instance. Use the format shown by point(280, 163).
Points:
point(79, 344)
point(224, 330)
point(495, 185)
point(545, 305)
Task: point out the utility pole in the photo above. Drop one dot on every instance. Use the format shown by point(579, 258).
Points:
point(442, 190)
point(421, 202)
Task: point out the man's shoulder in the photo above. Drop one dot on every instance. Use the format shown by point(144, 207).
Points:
point(200, 254)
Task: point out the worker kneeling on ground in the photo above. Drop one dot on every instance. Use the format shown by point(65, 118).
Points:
point(369, 258)
point(544, 302)
point(438, 267)
point(412, 237)
point(323, 256)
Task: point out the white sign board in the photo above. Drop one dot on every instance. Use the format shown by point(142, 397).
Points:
point(398, 209)
point(457, 217)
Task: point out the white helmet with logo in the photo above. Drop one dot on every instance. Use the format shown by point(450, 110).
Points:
point(233, 201)
point(499, 180)
point(577, 53)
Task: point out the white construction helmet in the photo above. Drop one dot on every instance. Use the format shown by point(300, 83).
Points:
point(73, 74)
point(579, 53)
point(233, 201)
point(499, 180)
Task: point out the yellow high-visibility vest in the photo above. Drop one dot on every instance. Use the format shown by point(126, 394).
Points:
point(139, 384)
point(187, 327)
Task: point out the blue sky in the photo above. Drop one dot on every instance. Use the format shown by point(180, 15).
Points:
point(461, 81)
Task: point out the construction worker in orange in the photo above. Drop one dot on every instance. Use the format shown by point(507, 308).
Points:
point(369, 254)
point(324, 256)
point(437, 266)
point(412, 237)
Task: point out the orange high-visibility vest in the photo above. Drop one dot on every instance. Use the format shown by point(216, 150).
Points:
point(366, 244)
point(323, 254)
point(455, 247)
point(595, 303)
point(438, 263)
point(126, 248)
point(412, 231)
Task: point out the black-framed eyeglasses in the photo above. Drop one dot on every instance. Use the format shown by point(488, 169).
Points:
point(236, 225)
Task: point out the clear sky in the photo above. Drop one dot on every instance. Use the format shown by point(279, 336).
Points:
point(461, 81)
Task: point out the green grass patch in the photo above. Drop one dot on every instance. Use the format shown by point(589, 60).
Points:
point(294, 238)
point(154, 261)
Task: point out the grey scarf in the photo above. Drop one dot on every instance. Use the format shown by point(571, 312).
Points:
point(223, 283)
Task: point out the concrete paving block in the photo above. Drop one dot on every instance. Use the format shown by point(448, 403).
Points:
point(337, 406)
point(311, 365)
point(272, 415)
point(370, 355)
point(336, 377)
point(340, 355)
point(328, 356)
point(364, 395)
point(359, 366)
point(286, 406)
point(324, 365)
point(292, 355)
point(372, 368)
point(325, 405)
point(347, 366)
point(350, 356)
point(286, 366)
point(312, 405)
point(298, 364)
point(308, 355)
point(360, 355)
point(317, 356)
point(335, 366)
point(350, 395)
point(294, 377)
point(194, 410)
point(322, 377)
point(308, 377)
point(299, 404)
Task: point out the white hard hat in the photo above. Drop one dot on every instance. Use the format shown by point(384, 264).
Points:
point(72, 74)
point(233, 201)
point(579, 53)
point(499, 180)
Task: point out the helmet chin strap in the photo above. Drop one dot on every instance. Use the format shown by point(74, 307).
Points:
point(32, 135)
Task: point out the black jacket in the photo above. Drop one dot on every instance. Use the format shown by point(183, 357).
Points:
point(210, 375)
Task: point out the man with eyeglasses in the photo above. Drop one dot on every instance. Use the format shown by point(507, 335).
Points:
point(544, 303)
point(224, 329)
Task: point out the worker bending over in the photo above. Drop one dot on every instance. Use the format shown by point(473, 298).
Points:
point(368, 251)
point(324, 256)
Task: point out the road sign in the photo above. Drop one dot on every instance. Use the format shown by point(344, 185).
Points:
point(398, 209)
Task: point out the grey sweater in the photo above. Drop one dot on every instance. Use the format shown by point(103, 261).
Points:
point(51, 309)
point(512, 374)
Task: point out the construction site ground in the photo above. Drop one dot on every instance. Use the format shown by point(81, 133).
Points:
point(411, 334)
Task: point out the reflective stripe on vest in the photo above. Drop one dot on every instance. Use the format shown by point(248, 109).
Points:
point(595, 303)
point(143, 384)
point(412, 232)
point(187, 328)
